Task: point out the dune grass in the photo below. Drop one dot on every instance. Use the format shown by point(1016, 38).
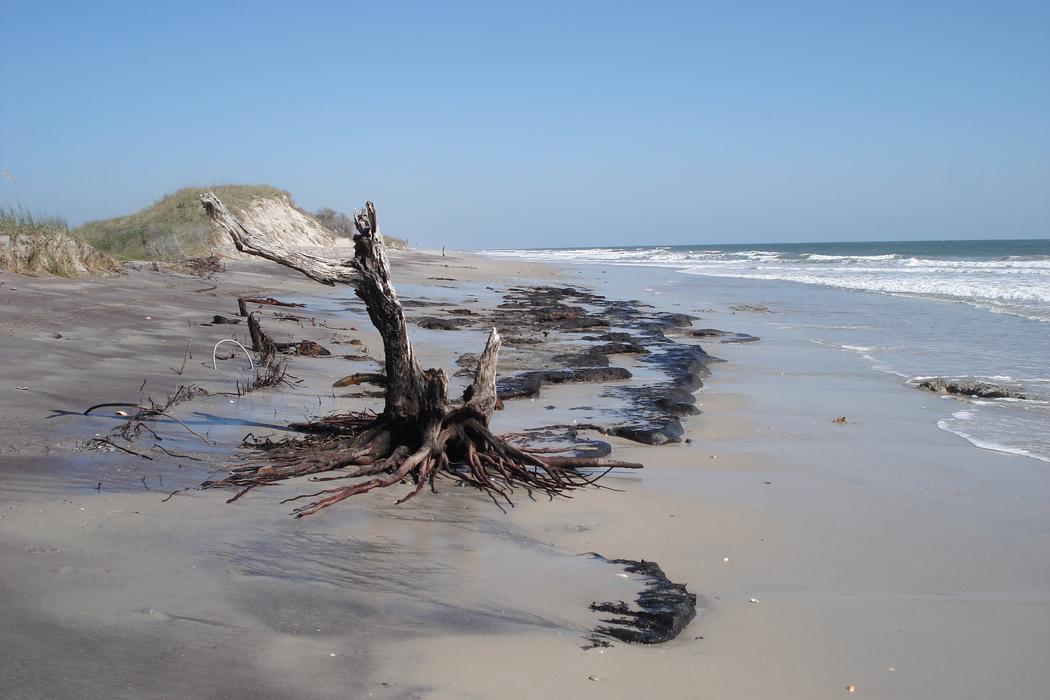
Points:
point(35, 245)
point(16, 220)
point(173, 227)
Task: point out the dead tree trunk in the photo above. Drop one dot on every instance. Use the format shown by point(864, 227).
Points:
point(421, 433)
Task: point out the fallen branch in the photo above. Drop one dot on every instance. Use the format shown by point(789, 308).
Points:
point(270, 301)
point(107, 441)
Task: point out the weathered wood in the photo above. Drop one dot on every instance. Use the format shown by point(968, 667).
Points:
point(360, 378)
point(242, 308)
point(261, 342)
point(480, 396)
point(369, 273)
point(420, 431)
point(248, 241)
point(404, 387)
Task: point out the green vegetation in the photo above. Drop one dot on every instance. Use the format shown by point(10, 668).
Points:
point(174, 227)
point(342, 225)
point(34, 245)
point(17, 221)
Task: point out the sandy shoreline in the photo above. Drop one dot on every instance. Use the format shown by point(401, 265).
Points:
point(904, 583)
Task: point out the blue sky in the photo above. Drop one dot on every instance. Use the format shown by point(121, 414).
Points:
point(534, 124)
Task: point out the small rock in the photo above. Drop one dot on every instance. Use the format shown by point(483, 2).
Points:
point(841, 420)
point(752, 600)
point(851, 688)
point(593, 678)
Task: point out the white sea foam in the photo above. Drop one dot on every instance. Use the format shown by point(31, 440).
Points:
point(851, 258)
point(978, 274)
point(950, 426)
point(1014, 285)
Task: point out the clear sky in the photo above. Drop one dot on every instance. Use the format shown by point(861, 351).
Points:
point(497, 124)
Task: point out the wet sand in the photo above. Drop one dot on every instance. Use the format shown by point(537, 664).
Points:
point(884, 554)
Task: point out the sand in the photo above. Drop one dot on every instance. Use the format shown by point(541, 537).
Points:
point(883, 554)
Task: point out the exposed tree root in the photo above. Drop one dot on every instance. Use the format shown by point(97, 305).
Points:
point(421, 434)
point(461, 448)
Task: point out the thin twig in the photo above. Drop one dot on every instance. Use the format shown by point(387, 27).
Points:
point(107, 441)
point(185, 357)
point(176, 454)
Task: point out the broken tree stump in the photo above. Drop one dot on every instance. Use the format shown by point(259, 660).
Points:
point(421, 433)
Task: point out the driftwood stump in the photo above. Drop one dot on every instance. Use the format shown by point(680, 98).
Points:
point(421, 433)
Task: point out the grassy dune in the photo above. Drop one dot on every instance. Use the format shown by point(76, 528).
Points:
point(36, 245)
point(174, 227)
point(177, 227)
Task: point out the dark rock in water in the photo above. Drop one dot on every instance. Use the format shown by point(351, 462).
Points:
point(532, 315)
point(621, 348)
point(566, 439)
point(590, 358)
point(676, 401)
point(518, 340)
point(578, 322)
point(529, 383)
point(659, 614)
point(723, 336)
point(657, 408)
point(597, 356)
point(616, 337)
point(652, 432)
point(686, 364)
point(675, 320)
point(438, 324)
point(418, 303)
point(467, 359)
point(969, 387)
point(223, 319)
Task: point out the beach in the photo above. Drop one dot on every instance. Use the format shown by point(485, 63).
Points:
point(879, 554)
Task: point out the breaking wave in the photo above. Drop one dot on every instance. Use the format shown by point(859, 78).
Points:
point(1008, 283)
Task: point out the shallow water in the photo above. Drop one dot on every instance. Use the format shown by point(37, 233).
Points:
point(904, 335)
point(1007, 276)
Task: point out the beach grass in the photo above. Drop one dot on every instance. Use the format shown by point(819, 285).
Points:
point(173, 227)
point(41, 244)
point(176, 226)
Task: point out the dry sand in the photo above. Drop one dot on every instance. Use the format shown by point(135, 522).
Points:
point(884, 554)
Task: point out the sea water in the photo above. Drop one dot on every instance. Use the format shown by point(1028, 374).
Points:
point(917, 309)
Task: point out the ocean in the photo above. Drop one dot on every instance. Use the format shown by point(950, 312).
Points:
point(915, 309)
